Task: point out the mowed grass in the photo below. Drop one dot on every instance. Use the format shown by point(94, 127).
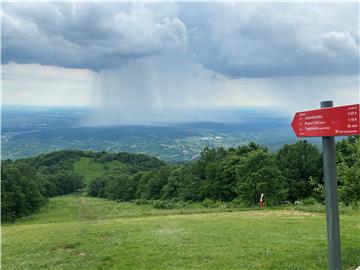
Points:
point(90, 169)
point(77, 232)
point(78, 207)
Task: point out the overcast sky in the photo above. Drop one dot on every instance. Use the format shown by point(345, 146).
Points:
point(159, 56)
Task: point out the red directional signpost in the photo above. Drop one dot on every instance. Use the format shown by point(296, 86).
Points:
point(327, 123)
point(335, 121)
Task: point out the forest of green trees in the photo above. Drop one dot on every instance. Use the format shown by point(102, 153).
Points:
point(27, 183)
point(236, 174)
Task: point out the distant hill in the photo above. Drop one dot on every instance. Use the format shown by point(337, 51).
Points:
point(32, 131)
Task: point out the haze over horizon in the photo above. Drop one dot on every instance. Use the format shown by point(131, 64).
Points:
point(149, 62)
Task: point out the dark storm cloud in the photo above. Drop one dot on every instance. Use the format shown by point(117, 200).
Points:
point(88, 35)
point(233, 39)
point(278, 39)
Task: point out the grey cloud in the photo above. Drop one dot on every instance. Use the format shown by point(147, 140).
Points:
point(88, 35)
point(266, 40)
point(233, 39)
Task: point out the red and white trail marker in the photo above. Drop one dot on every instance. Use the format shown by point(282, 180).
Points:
point(326, 122)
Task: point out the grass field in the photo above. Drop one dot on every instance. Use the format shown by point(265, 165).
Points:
point(77, 232)
point(90, 169)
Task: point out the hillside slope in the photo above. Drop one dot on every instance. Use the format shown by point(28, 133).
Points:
point(77, 232)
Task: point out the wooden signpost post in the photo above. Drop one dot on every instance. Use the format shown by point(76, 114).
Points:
point(327, 123)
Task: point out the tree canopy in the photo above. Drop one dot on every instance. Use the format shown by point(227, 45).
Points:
point(293, 173)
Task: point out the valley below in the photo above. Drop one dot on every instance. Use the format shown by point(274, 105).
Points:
point(28, 132)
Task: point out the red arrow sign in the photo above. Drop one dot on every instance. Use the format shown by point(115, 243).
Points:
point(334, 121)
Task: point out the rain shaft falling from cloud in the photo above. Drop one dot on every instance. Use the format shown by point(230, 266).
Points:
point(152, 89)
point(155, 60)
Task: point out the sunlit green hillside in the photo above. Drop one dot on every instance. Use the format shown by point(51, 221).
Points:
point(77, 232)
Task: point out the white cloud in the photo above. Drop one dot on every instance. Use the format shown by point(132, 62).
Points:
point(234, 39)
point(145, 58)
point(140, 93)
point(34, 84)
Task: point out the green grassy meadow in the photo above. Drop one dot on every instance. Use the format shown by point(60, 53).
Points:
point(90, 169)
point(78, 232)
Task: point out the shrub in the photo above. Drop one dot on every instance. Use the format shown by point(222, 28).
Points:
point(159, 204)
point(306, 201)
point(309, 201)
point(141, 202)
point(238, 203)
point(208, 203)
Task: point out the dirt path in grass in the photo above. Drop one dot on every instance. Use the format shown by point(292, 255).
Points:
point(85, 211)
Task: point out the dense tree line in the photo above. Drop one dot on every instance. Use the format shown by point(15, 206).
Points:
point(348, 159)
point(293, 173)
point(241, 174)
point(21, 191)
point(27, 183)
